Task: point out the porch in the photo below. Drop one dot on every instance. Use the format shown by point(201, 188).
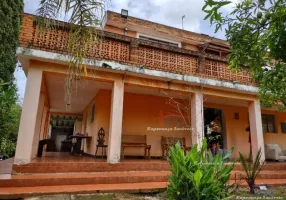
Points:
point(144, 111)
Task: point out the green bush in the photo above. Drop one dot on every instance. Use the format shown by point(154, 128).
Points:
point(251, 168)
point(199, 174)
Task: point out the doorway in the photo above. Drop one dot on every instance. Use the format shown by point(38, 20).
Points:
point(214, 127)
point(62, 127)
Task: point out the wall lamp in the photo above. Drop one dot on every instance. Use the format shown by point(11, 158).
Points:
point(125, 31)
point(236, 115)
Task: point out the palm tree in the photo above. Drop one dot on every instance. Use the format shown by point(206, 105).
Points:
point(83, 17)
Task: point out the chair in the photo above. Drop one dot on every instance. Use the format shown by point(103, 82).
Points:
point(168, 142)
point(135, 141)
point(274, 152)
point(66, 145)
point(100, 142)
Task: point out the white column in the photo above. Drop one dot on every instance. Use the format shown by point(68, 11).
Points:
point(28, 122)
point(197, 119)
point(43, 122)
point(115, 127)
point(256, 128)
point(37, 131)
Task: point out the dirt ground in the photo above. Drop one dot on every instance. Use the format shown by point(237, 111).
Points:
point(115, 196)
point(277, 193)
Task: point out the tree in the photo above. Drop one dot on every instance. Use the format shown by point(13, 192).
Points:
point(84, 16)
point(10, 113)
point(256, 31)
point(10, 22)
point(10, 17)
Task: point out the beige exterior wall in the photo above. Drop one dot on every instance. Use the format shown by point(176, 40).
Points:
point(139, 113)
point(279, 137)
point(142, 111)
point(77, 126)
point(120, 31)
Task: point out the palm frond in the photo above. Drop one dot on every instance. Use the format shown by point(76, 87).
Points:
point(47, 11)
point(251, 168)
point(84, 16)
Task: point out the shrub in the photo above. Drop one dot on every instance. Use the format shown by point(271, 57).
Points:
point(251, 169)
point(199, 174)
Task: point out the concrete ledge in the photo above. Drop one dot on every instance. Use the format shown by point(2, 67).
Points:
point(136, 70)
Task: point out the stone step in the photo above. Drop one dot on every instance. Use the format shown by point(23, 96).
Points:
point(32, 180)
point(140, 165)
point(23, 192)
point(236, 175)
point(269, 166)
point(67, 167)
point(271, 182)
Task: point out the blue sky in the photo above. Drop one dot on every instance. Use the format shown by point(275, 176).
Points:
point(168, 12)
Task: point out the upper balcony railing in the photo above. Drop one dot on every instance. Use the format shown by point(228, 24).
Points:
point(132, 51)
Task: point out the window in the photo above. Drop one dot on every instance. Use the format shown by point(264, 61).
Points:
point(268, 123)
point(158, 41)
point(212, 52)
point(283, 127)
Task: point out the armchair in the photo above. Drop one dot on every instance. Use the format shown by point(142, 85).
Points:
point(274, 152)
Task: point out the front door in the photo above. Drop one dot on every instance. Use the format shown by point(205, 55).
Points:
point(214, 128)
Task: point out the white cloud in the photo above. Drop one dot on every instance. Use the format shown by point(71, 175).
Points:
point(168, 12)
point(31, 6)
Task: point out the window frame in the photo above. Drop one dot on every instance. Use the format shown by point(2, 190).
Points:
point(159, 39)
point(269, 116)
point(283, 131)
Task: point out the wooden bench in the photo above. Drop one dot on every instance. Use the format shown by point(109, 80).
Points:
point(168, 142)
point(135, 141)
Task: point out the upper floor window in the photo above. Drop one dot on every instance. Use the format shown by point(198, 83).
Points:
point(212, 52)
point(159, 41)
point(268, 123)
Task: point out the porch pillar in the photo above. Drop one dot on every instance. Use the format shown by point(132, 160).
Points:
point(115, 127)
point(38, 125)
point(29, 118)
point(256, 128)
point(43, 122)
point(197, 118)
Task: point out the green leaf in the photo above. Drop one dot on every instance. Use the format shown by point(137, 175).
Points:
point(197, 177)
point(207, 16)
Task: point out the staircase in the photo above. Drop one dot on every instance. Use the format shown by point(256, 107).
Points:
point(36, 179)
point(88, 177)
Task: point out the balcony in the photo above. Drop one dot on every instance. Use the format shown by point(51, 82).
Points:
point(136, 52)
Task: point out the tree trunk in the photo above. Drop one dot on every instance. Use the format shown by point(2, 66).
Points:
point(251, 185)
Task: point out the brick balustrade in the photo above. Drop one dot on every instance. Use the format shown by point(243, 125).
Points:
point(132, 51)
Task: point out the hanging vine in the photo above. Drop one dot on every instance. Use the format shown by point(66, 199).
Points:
point(83, 17)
